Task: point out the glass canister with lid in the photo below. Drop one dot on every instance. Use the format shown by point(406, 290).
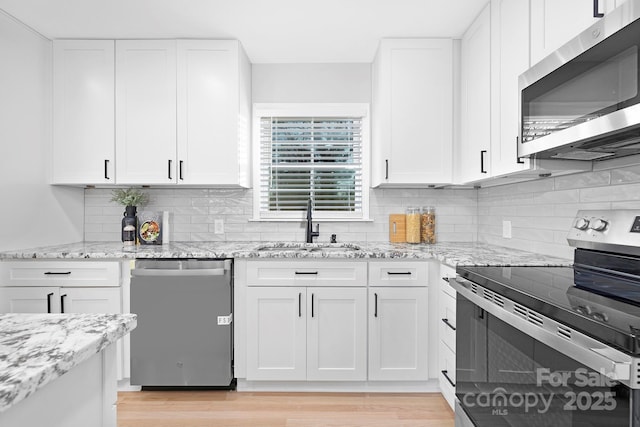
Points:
point(428, 224)
point(412, 226)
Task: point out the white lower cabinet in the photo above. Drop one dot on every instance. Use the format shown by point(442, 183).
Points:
point(51, 286)
point(447, 332)
point(59, 300)
point(398, 334)
point(276, 333)
point(299, 333)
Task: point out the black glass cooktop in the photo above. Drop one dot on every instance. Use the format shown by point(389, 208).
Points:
point(552, 291)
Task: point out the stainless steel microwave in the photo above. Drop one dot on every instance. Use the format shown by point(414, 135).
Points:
point(583, 102)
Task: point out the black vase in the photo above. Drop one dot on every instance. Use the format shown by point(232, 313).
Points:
point(129, 225)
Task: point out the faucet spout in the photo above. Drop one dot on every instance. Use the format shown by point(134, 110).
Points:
point(310, 234)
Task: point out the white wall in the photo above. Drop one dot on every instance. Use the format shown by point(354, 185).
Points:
point(311, 82)
point(33, 213)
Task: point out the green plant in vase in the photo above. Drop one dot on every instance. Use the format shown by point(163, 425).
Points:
point(130, 198)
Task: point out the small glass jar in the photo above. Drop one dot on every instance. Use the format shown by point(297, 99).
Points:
point(412, 227)
point(428, 224)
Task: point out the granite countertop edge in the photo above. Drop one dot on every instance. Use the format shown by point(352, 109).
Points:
point(450, 253)
point(35, 349)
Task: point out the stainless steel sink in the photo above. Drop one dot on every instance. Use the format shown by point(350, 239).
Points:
point(307, 247)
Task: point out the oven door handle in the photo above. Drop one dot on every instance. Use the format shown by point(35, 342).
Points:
point(617, 369)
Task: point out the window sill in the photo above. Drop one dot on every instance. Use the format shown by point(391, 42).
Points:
point(315, 220)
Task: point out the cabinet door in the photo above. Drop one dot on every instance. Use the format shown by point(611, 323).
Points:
point(413, 96)
point(83, 112)
point(29, 300)
point(208, 80)
point(90, 300)
point(554, 23)
point(475, 100)
point(145, 111)
point(509, 59)
point(398, 334)
point(276, 334)
point(337, 334)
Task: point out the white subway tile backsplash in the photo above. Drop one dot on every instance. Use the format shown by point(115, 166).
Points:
point(541, 212)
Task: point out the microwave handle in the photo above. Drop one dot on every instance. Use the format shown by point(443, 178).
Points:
point(518, 159)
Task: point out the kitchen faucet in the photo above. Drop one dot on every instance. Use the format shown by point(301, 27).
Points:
point(310, 233)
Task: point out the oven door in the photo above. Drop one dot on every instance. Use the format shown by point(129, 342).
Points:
point(508, 378)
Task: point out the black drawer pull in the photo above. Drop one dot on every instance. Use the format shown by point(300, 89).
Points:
point(49, 302)
point(106, 169)
point(399, 273)
point(445, 372)
point(446, 279)
point(312, 301)
point(57, 273)
point(375, 311)
point(180, 172)
point(62, 297)
point(300, 304)
point(446, 322)
point(169, 162)
point(306, 272)
point(386, 169)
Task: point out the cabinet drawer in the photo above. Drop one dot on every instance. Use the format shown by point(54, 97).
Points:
point(306, 273)
point(447, 272)
point(401, 273)
point(447, 368)
point(448, 320)
point(59, 273)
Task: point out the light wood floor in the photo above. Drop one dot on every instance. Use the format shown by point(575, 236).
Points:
point(229, 408)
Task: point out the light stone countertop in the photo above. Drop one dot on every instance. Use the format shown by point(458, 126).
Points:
point(35, 349)
point(451, 253)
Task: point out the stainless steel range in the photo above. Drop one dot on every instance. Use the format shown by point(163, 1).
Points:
point(554, 346)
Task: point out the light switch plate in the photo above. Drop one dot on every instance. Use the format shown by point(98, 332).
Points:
point(506, 229)
point(218, 226)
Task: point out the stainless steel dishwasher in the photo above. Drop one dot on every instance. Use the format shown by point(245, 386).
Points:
point(184, 335)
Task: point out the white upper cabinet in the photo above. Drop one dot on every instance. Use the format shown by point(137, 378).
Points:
point(554, 22)
point(214, 104)
point(509, 59)
point(475, 139)
point(412, 112)
point(146, 111)
point(83, 112)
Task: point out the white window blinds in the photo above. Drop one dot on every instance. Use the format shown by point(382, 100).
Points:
point(311, 157)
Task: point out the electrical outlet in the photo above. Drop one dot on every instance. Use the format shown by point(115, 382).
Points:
point(506, 229)
point(218, 225)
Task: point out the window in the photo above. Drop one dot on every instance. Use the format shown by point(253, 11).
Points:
point(311, 151)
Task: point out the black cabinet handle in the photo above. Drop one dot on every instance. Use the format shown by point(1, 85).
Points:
point(169, 168)
point(375, 305)
point(300, 304)
point(596, 10)
point(180, 170)
point(482, 153)
point(106, 169)
point(446, 322)
point(446, 279)
point(398, 273)
point(57, 273)
point(445, 373)
point(518, 159)
point(306, 272)
point(62, 297)
point(49, 302)
point(386, 169)
point(312, 300)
